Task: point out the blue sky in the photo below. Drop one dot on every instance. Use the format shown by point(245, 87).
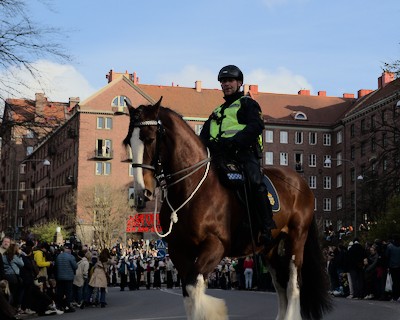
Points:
point(281, 45)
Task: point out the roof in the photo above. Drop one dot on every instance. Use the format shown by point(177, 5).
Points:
point(275, 107)
point(26, 110)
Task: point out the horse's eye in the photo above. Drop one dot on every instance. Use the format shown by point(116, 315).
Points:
point(148, 140)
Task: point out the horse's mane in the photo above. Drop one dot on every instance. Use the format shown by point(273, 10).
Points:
point(163, 113)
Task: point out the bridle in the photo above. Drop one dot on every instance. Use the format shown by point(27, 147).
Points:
point(156, 164)
point(162, 180)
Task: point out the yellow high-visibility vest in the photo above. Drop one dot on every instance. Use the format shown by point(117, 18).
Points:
point(226, 124)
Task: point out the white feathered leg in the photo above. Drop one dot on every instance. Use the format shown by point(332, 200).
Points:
point(293, 293)
point(200, 306)
point(281, 293)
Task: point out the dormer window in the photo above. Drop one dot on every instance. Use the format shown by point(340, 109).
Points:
point(299, 115)
point(118, 104)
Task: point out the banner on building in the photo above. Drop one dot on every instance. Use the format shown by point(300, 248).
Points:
point(143, 222)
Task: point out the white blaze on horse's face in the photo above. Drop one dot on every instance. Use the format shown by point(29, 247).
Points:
point(137, 147)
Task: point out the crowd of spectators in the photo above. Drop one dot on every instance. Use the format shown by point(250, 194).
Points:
point(43, 279)
point(360, 271)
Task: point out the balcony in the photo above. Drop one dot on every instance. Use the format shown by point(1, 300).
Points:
point(103, 154)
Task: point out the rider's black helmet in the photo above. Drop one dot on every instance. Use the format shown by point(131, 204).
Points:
point(230, 71)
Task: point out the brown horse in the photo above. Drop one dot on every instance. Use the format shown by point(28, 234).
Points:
point(207, 219)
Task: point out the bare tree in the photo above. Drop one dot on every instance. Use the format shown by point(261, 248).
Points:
point(105, 210)
point(22, 42)
point(381, 177)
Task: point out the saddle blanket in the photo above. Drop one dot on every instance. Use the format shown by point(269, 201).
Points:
point(272, 194)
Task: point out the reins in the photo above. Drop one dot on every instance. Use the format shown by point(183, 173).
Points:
point(174, 216)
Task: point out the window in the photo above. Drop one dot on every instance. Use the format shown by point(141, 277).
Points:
point(269, 157)
point(373, 122)
point(119, 101)
point(22, 186)
point(283, 136)
point(327, 182)
point(313, 138)
point(269, 136)
point(20, 204)
point(312, 160)
point(283, 158)
point(103, 147)
point(300, 116)
point(339, 137)
point(298, 160)
point(298, 137)
point(104, 123)
point(352, 130)
point(363, 126)
point(22, 168)
point(384, 140)
point(327, 204)
point(373, 144)
point(327, 139)
point(339, 180)
point(327, 165)
point(29, 150)
point(29, 134)
point(352, 152)
point(339, 202)
point(338, 159)
point(312, 182)
point(384, 117)
point(103, 168)
point(362, 148)
point(385, 164)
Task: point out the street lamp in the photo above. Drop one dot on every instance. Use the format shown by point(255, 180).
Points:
point(45, 163)
point(329, 161)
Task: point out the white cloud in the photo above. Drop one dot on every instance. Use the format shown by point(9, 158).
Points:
point(281, 80)
point(59, 82)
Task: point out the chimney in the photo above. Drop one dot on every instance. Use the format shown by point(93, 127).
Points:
point(198, 86)
point(304, 92)
point(110, 76)
point(348, 95)
point(246, 89)
point(73, 101)
point(385, 78)
point(363, 92)
point(253, 88)
point(40, 102)
point(135, 79)
point(322, 93)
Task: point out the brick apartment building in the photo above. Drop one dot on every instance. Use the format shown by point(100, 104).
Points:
point(84, 147)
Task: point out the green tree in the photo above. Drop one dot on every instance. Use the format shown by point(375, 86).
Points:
point(47, 231)
point(388, 223)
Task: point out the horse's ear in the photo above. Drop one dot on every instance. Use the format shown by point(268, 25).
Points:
point(128, 104)
point(156, 107)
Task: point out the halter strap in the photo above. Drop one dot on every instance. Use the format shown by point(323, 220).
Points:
point(147, 123)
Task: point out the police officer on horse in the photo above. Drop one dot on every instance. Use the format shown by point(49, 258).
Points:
point(234, 131)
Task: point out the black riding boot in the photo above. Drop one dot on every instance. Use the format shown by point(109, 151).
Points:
point(264, 214)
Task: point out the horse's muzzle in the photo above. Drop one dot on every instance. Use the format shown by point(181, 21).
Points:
point(148, 195)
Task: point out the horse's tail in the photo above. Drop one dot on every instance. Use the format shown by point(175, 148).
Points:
point(315, 300)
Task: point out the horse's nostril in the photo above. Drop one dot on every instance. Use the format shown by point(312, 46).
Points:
point(148, 194)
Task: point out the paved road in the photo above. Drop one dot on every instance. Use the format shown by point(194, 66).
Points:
point(242, 305)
